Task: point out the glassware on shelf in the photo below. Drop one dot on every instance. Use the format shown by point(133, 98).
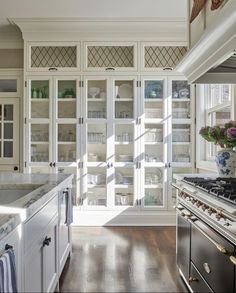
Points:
point(94, 92)
point(124, 114)
point(97, 114)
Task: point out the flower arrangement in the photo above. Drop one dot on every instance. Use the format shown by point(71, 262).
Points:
point(225, 136)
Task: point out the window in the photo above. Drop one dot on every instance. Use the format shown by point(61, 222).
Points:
point(215, 107)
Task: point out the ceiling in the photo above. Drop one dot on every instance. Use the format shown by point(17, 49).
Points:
point(91, 9)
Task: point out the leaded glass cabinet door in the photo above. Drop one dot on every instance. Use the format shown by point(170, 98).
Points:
point(153, 143)
point(9, 131)
point(39, 126)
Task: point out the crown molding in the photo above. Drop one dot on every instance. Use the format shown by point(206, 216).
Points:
point(76, 28)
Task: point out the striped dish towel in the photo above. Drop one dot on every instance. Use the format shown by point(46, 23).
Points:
point(69, 207)
point(8, 282)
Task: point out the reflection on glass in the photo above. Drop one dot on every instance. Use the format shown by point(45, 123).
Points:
point(96, 176)
point(8, 149)
point(124, 97)
point(181, 133)
point(153, 110)
point(66, 89)
point(39, 153)
point(8, 130)
point(181, 153)
point(124, 133)
point(40, 132)
point(8, 85)
point(153, 133)
point(8, 112)
point(181, 110)
point(124, 197)
point(66, 132)
point(153, 89)
point(67, 153)
point(96, 197)
point(96, 99)
point(39, 110)
point(124, 153)
point(180, 89)
point(39, 89)
point(153, 197)
point(153, 153)
point(67, 110)
point(153, 176)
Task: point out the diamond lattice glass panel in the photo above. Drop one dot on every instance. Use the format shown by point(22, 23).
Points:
point(53, 56)
point(156, 57)
point(110, 56)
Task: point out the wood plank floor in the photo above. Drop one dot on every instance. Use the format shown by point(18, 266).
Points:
point(122, 259)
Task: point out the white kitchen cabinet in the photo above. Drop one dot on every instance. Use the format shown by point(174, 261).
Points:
point(41, 249)
point(110, 135)
point(14, 239)
point(52, 56)
point(110, 56)
point(53, 109)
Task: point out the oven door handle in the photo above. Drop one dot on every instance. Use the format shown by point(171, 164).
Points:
point(220, 247)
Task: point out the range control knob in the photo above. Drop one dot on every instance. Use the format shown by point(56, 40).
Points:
point(203, 207)
point(198, 204)
point(210, 211)
point(193, 200)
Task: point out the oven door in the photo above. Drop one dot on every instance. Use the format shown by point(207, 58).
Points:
point(183, 245)
point(210, 255)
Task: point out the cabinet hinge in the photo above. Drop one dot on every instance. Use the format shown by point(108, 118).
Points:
point(140, 83)
point(137, 83)
point(25, 83)
point(195, 165)
point(81, 83)
point(25, 164)
point(195, 120)
point(25, 120)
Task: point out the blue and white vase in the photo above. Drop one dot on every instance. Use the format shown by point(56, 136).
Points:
point(226, 162)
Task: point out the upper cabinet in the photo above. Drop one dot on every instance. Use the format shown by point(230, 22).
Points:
point(52, 57)
point(156, 56)
point(110, 56)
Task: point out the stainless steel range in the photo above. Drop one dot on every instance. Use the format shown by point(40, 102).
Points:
point(206, 232)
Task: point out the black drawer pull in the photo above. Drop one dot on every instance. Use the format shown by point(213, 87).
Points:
point(7, 246)
point(52, 69)
point(47, 241)
point(110, 68)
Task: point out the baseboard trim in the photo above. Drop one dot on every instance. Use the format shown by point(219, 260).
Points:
point(92, 218)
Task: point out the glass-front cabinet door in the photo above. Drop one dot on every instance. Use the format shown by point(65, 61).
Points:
point(9, 131)
point(153, 133)
point(40, 133)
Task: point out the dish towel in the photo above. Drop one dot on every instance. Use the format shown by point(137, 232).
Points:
point(69, 207)
point(8, 282)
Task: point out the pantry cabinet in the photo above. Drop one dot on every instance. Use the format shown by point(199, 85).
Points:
point(122, 136)
point(52, 130)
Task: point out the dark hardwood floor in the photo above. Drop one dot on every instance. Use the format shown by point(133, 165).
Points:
point(122, 259)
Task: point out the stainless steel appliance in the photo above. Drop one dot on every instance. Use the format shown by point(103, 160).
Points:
point(206, 232)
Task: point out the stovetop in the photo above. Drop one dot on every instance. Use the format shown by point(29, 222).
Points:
point(221, 188)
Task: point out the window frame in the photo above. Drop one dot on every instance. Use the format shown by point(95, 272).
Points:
point(204, 107)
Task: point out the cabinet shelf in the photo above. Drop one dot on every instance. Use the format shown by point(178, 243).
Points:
point(180, 143)
point(153, 143)
point(101, 186)
point(40, 100)
point(149, 186)
point(124, 142)
point(66, 142)
point(125, 186)
point(180, 100)
point(39, 142)
point(124, 100)
point(66, 100)
point(153, 100)
point(96, 100)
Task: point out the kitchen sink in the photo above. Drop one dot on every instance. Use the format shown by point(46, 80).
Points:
point(10, 193)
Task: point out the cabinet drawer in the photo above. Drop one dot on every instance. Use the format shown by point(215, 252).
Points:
point(196, 281)
point(212, 264)
point(37, 224)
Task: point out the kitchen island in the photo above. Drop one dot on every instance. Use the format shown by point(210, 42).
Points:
point(32, 221)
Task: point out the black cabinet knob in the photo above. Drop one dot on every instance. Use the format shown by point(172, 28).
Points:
point(15, 168)
point(54, 164)
point(47, 241)
point(50, 164)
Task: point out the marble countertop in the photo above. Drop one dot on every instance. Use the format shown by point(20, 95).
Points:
point(19, 211)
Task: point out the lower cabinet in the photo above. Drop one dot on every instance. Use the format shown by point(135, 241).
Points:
point(13, 239)
point(64, 232)
point(40, 264)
